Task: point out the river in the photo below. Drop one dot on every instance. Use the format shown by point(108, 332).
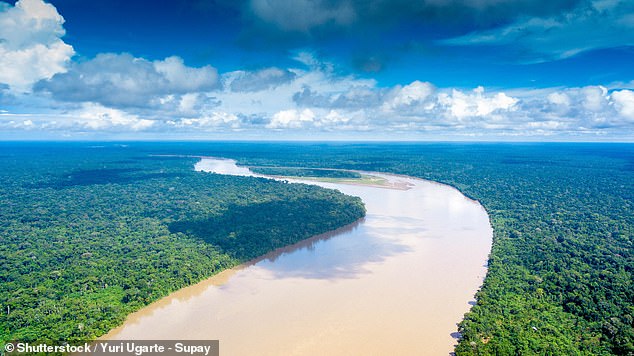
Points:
point(396, 282)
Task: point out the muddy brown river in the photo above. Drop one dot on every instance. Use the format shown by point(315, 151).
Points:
point(396, 282)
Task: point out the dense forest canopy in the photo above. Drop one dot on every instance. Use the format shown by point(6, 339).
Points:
point(90, 232)
point(560, 271)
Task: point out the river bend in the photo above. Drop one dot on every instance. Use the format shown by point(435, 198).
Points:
point(396, 282)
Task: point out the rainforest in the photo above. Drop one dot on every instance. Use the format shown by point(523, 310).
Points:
point(91, 232)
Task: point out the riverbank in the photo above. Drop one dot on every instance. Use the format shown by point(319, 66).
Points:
point(348, 293)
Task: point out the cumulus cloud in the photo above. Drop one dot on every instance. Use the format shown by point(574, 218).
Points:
point(118, 93)
point(121, 80)
point(291, 119)
point(16, 122)
point(590, 109)
point(319, 77)
point(258, 80)
point(308, 97)
point(421, 107)
point(594, 98)
point(461, 105)
point(86, 117)
point(559, 99)
point(212, 121)
point(335, 118)
point(624, 103)
point(418, 109)
point(100, 118)
point(181, 79)
point(191, 104)
point(591, 25)
point(31, 47)
point(356, 97)
point(411, 95)
point(417, 99)
point(319, 119)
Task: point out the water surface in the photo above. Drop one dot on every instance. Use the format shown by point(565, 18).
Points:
point(396, 282)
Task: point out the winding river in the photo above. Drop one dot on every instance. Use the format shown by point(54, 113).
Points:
point(396, 282)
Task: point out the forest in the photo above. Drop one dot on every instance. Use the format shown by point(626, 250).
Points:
point(305, 172)
point(560, 273)
point(90, 233)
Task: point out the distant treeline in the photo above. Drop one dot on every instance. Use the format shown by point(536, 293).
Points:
point(305, 172)
point(91, 234)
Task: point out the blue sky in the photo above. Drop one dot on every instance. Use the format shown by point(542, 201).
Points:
point(516, 70)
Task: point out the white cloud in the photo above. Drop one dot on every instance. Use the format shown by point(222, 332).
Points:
point(188, 103)
point(595, 98)
point(335, 117)
point(263, 79)
point(86, 117)
point(121, 80)
point(184, 79)
point(291, 119)
point(212, 121)
point(317, 119)
point(30, 44)
point(624, 102)
point(16, 122)
point(97, 117)
point(320, 77)
point(412, 94)
point(460, 105)
point(137, 95)
point(559, 99)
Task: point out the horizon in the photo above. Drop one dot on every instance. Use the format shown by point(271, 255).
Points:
point(253, 70)
point(287, 141)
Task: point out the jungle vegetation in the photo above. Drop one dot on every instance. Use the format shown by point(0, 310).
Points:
point(90, 233)
point(560, 278)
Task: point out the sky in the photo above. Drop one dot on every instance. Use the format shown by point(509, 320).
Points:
point(427, 70)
